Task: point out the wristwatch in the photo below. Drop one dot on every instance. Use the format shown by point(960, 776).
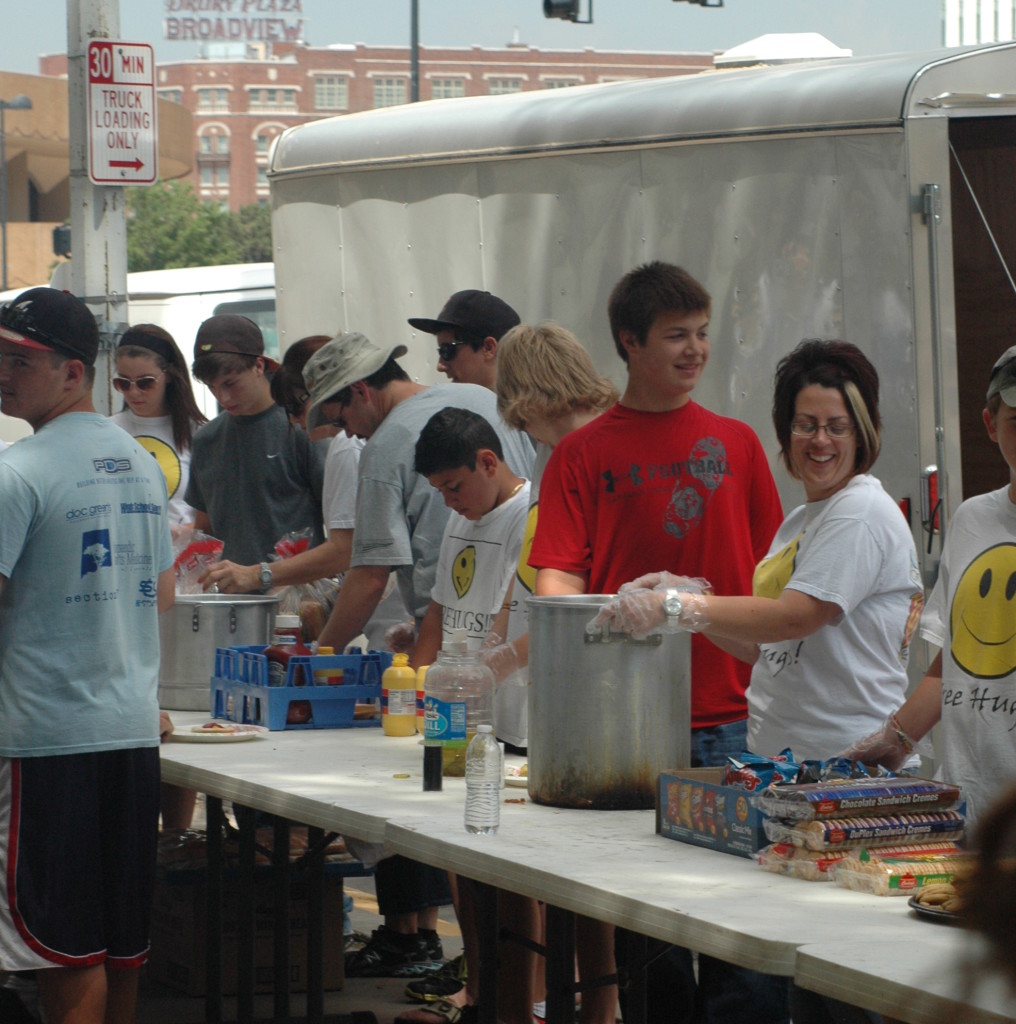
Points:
point(672, 608)
point(265, 576)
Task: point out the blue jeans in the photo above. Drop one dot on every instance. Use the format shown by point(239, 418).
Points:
point(713, 744)
point(723, 993)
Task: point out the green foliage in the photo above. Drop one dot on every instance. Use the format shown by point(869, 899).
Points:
point(168, 226)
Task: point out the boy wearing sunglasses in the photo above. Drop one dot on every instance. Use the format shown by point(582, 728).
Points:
point(253, 477)
point(86, 565)
point(468, 329)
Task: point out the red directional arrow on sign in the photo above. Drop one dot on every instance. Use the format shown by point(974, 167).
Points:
point(135, 164)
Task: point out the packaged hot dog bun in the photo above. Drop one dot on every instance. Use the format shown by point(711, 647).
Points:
point(818, 865)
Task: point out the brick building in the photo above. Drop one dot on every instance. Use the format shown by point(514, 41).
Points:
point(240, 101)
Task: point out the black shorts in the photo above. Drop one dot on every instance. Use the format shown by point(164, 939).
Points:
point(78, 836)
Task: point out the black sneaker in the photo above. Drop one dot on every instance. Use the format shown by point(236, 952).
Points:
point(440, 984)
point(434, 948)
point(389, 955)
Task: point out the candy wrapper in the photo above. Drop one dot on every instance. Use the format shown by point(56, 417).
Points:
point(753, 773)
point(847, 798)
point(193, 553)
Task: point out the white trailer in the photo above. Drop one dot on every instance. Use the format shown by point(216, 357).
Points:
point(872, 199)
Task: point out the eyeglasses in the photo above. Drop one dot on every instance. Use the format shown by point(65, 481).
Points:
point(19, 319)
point(446, 350)
point(837, 429)
point(124, 384)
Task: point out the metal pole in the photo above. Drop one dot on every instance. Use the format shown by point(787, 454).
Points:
point(414, 51)
point(3, 192)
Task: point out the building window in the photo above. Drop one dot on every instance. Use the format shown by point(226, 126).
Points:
point(560, 83)
point(331, 92)
point(211, 144)
point(261, 144)
point(500, 86)
point(222, 177)
point(272, 99)
point(389, 92)
point(213, 100)
point(172, 95)
point(447, 88)
point(262, 178)
point(206, 177)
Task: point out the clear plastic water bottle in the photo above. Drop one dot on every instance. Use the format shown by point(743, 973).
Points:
point(483, 782)
point(459, 697)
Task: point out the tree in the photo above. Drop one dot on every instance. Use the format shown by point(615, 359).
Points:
point(168, 226)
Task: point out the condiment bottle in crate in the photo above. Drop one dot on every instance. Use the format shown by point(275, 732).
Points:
point(287, 640)
point(459, 697)
point(327, 676)
point(398, 698)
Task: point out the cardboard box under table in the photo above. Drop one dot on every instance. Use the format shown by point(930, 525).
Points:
point(179, 930)
point(692, 806)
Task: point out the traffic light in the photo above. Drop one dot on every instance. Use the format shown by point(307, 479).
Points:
point(567, 10)
point(62, 240)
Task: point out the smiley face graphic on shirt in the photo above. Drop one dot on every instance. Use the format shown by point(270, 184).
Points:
point(983, 615)
point(463, 570)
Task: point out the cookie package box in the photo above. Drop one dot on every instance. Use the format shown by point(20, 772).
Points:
point(692, 806)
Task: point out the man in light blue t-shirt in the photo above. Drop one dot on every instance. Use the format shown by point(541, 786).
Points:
point(86, 564)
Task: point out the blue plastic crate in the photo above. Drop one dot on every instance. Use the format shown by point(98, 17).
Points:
point(240, 690)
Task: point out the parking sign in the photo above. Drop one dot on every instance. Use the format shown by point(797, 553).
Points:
point(122, 137)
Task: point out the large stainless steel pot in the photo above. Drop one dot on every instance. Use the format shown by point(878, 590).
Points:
point(192, 629)
point(607, 713)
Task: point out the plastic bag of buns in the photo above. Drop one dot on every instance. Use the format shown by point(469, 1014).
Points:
point(312, 601)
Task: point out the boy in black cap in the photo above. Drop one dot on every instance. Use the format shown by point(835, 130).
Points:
point(468, 329)
point(86, 564)
point(253, 478)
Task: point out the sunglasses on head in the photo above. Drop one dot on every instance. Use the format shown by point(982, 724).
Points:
point(19, 319)
point(146, 383)
point(294, 407)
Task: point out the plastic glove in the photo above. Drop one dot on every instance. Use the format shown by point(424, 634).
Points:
point(400, 637)
point(888, 746)
point(640, 613)
point(667, 581)
point(500, 657)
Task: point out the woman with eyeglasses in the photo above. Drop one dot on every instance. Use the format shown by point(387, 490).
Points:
point(159, 408)
point(836, 600)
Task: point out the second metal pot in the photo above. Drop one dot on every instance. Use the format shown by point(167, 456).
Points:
point(607, 713)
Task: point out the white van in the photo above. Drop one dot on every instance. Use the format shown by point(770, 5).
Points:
point(178, 301)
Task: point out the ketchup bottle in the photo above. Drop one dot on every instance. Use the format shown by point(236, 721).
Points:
point(287, 640)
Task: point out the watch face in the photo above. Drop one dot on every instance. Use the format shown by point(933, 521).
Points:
point(672, 607)
point(266, 576)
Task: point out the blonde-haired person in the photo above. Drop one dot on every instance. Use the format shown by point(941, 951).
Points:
point(547, 386)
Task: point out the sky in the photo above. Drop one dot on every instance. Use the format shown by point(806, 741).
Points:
point(35, 27)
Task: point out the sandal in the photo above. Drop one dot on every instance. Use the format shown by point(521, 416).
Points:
point(439, 1012)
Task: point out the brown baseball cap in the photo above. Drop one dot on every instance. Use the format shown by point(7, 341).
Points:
point(231, 333)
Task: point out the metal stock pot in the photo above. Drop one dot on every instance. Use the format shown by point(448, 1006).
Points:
point(607, 713)
point(191, 630)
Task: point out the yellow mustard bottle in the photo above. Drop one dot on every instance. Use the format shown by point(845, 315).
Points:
point(398, 698)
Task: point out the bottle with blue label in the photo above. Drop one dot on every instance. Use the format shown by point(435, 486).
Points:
point(459, 697)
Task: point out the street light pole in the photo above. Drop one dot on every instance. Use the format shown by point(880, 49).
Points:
point(19, 102)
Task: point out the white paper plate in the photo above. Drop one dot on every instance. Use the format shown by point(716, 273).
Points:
point(238, 734)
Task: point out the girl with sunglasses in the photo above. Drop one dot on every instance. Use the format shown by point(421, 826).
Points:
point(159, 408)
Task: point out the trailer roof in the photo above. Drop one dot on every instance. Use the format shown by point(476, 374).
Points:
point(856, 92)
